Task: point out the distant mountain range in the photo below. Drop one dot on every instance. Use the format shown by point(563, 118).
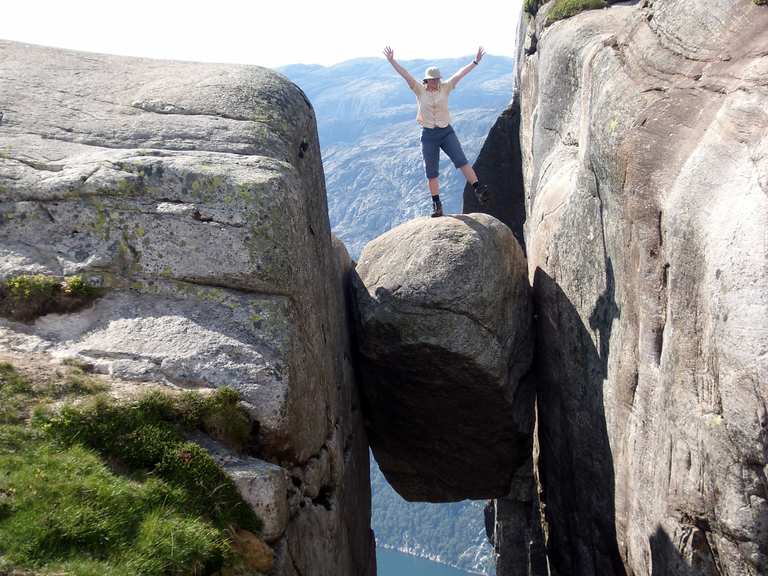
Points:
point(370, 140)
point(375, 180)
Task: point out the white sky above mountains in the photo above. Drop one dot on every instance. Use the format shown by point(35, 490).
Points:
point(269, 33)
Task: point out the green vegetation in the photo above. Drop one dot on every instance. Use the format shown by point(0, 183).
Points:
point(19, 397)
point(13, 388)
point(147, 436)
point(100, 487)
point(761, 2)
point(11, 382)
point(532, 6)
point(567, 8)
point(27, 297)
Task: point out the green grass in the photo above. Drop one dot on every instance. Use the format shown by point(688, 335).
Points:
point(567, 8)
point(15, 391)
point(147, 436)
point(64, 508)
point(19, 397)
point(11, 381)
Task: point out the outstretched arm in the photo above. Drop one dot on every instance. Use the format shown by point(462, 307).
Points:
point(468, 68)
point(390, 54)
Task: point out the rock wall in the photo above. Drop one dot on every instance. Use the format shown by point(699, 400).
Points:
point(644, 136)
point(193, 196)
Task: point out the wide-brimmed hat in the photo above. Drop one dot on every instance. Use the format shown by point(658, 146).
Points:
point(432, 73)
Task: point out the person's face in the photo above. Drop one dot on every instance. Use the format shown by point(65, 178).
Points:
point(432, 83)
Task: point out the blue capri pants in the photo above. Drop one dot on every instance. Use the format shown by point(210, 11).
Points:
point(432, 140)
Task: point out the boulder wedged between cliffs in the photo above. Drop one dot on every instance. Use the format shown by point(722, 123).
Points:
point(443, 317)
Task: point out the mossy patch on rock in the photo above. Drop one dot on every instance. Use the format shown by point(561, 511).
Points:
point(566, 8)
point(532, 6)
point(27, 297)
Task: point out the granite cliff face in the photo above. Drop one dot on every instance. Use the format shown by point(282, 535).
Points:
point(193, 196)
point(644, 138)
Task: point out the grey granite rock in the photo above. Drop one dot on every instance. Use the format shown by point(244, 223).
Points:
point(193, 196)
point(443, 316)
point(645, 161)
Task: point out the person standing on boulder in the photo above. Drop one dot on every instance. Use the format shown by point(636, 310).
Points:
point(436, 130)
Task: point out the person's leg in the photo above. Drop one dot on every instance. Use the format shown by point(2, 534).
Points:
point(469, 173)
point(434, 191)
point(430, 149)
point(434, 186)
point(452, 147)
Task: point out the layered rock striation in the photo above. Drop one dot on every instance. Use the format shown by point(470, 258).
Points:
point(192, 197)
point(443, 316)
point(645, 163)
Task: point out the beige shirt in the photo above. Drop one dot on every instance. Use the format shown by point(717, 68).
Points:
point(433, 106)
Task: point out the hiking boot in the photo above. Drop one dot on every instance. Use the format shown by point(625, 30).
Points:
point(481, 193)
point(437, 209)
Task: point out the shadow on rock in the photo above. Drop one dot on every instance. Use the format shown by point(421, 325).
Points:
point(667, 560)
point(576, 465)
point(499, 165)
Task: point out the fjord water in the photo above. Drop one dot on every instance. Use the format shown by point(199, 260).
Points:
point(394, 563)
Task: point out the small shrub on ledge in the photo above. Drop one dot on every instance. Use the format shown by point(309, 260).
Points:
point(27, 297)
point(566, 8)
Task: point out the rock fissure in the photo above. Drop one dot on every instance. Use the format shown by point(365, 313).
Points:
point(36, 165)
point(435, 307)
point(239, 288)
point(166, 108)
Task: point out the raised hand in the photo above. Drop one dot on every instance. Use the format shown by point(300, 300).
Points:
point(480, 54)
point(389, 53)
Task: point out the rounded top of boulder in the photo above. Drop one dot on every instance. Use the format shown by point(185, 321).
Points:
point(454, 261)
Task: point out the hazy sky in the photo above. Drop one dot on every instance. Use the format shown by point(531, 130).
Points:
point(267, 32)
